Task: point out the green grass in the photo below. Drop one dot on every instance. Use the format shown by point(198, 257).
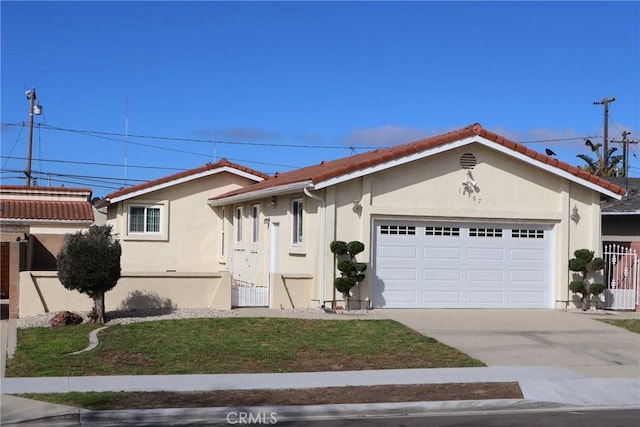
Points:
point(230, 345)
point(631, 324)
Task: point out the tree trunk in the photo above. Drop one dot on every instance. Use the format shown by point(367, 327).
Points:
point(98, 307)
point(586, 303)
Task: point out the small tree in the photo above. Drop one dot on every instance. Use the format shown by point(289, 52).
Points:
point(604, 164)
point(89, 262)
point(351, 272)
point(585, 264)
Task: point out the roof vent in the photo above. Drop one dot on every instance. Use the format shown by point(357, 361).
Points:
point(468, 161)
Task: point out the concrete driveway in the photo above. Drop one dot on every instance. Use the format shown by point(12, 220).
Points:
point(532, 338)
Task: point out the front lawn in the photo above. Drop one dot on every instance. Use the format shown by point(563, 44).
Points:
point(230, 345)
point(631, 324)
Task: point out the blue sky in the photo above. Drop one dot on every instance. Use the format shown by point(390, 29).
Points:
point(280, 85)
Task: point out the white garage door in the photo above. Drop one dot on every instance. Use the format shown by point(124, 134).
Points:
point(462, 265)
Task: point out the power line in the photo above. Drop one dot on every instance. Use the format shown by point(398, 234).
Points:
point(170, 138)
point(108, 135)
point(95, 163)
point(13, 146)
point(146, 167)
point(92, 178)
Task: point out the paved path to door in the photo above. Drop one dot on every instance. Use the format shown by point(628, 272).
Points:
point(532, 338)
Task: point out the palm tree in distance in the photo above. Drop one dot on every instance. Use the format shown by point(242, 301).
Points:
point(604, 164)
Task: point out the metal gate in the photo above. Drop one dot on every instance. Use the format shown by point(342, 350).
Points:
point(249, 296)
point(622, 275)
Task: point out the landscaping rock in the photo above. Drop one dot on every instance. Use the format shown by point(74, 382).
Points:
point(65, 318)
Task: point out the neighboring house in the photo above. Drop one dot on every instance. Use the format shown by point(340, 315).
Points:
point(621, 242)
point(33, 224)
point(465, 219)
point(165, 225)
point(621, 218)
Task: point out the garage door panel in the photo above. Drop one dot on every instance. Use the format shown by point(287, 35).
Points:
point(533, 276)
point(485, 276)
point(527, 297)
point(446, 264)
point(392, 252)
point(485, 297)
point(483, 254)
point(442, 297)
point(396, 297)
point(399, 274)
point(442, 252)
point(528, 255)
point(441, 275)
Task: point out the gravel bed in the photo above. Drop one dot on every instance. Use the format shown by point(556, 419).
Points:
point(122, 317)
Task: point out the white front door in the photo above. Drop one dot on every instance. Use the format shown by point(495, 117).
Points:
point(420, 264)
point(274, 255)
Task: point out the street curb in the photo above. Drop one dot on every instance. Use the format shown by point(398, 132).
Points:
point(273, 414)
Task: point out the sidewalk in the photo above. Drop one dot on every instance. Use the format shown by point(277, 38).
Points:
point(542, 387)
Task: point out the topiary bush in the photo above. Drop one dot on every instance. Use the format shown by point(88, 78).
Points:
point(586, 264)
point(351, 272)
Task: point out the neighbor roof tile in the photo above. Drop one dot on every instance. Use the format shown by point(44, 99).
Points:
point(46, 210)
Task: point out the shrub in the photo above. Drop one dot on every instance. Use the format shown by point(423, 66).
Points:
point(586, 264)
point(351, 272)
point(89, 262)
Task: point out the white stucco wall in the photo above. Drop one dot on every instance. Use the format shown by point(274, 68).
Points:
point(190, 241)
point(508, 190)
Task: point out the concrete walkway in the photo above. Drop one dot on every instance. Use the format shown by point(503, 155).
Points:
point(565, 379)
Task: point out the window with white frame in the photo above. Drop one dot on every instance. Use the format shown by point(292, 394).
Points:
point(297, 211)
point(255, 225)
point(145, 219)
point(223, 236)
point(238, 224)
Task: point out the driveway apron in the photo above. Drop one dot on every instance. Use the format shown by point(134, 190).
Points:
point(531, 338)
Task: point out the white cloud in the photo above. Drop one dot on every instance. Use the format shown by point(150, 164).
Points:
point(239, 133)
point(386, 135)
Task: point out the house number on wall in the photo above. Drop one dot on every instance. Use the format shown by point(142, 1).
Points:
point(470, 195)
point(470, 188)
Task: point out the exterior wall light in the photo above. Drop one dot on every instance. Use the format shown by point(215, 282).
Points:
point(575, 215)
point(357, 207)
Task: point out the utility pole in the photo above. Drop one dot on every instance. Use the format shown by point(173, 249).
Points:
point(625, 154)
point(605, 101)
point(34, 109)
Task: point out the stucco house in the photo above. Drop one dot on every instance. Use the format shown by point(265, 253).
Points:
point(170, 246)
point(33, 224)
point(464, 219)
point(166, 224)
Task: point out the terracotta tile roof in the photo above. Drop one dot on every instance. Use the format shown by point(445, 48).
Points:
point(45, 210)
point(41, 189)
point(184, 174)
point(335, 168)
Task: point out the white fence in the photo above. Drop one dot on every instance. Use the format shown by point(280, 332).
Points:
point(622, 275)
point(249, 296)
